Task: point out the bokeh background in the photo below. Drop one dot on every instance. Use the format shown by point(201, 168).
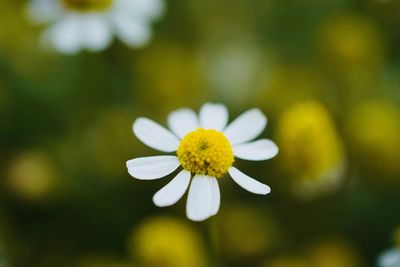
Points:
point(326, 73)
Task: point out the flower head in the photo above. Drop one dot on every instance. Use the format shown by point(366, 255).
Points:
point(32, 176)
point(349, 42)
point(206, 152)
point(205, 148)
point(75, 25)
point(390, 258)
point(168, 242)
point(312, 151)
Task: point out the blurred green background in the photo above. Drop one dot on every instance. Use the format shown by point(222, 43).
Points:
point(327, 75)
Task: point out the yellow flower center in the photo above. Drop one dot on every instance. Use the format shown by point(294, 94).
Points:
point(206, 152)
point(87, 5)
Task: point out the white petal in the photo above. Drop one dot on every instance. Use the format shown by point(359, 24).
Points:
point(42, 11)
point(173, 191)
point(149, 168)
point(183, 121)
point(154, 135)
point(258, 150)
point(390, 258)
point(248, 183)
point(246, 127)
point(213, 116)
point(65, 35)
point(95, 32)
point(203, 198)
point(216, 196)
point(131, 31)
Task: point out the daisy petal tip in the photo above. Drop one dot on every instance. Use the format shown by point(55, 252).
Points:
point(154, 135)
point(274, 149)
point(157, 202)
point(246, 126)
point(149, 168)
point(262, 190)
point(173, 191)
point(203, 198)
point(262, 149)
point(277, 151)
point(261, 114)
point(129, 168)
point(195, 218)
point(214, 104)
point(267, 190)
point(136, 124)
point(248, 183)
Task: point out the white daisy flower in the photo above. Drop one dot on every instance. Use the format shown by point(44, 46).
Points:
point(390, 258)
point(75, 25)
point(205, 148)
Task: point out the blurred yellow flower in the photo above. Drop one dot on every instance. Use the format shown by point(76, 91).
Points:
point(334, 252)
point(350, 41)
point(32, 176)
point(255, 232)
point(374, 129)
point(311, 150)
point(167, 242)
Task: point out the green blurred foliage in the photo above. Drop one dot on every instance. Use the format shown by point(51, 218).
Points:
point(327, 75)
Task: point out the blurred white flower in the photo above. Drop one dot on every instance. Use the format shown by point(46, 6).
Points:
point(234, 69)
point(206, 148)
point(74, 25)
point(390, 258)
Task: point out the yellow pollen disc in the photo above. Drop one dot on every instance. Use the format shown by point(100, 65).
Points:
point(87, 5)
point(206, 152)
